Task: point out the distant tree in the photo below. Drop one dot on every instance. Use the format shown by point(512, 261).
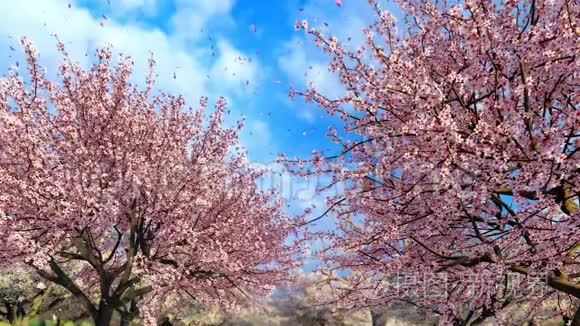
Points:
point(146, 194)
point(460, 151)
point(308, 302)
point(23, 296)
point(301, 303)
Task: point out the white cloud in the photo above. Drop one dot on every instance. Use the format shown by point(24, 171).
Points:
point(257, 137)
point(147, 6)
point(233, 69)
point(191, 16)
point(302, 66)
point(260, 129)
point(81, 33)
point(304, 63)
point(345, 22)
point(307, 114)
point(207, 6)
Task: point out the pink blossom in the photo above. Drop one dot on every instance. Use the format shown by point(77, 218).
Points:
point(149, 196)
point(466, 154)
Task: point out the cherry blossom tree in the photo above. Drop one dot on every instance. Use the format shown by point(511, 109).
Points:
point(460, 153)
point(123, 196)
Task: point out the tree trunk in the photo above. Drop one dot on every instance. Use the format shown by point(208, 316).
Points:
point(125, 319)
point(128, 313)
point(11, 313)
point(104, 316)
point(376, 319)
point(576, 318)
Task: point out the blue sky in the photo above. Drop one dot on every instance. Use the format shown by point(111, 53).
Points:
point(245, 50)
